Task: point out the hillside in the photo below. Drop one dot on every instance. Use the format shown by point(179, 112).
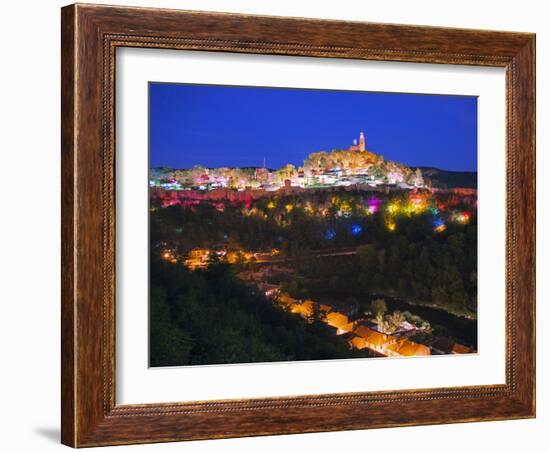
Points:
point(449, 179)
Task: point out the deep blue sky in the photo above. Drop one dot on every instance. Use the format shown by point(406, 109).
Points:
point(233, 126)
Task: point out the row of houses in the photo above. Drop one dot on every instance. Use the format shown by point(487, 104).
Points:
point(361, 334)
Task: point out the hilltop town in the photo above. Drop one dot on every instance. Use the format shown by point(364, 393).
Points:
point(354, 166)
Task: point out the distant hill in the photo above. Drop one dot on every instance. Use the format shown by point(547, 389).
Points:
point(449, 179)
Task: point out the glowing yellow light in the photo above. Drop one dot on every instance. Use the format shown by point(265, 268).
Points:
point(345, 209)
point(271, 205)
point(462, 218)
point(391, 226)
point(415, 206)
point(289, 208)
point(440, 228)
point(393, 207)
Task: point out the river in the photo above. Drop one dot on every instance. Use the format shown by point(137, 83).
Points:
point(462, 329)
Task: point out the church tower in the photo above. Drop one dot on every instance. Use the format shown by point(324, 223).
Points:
point(361, 141)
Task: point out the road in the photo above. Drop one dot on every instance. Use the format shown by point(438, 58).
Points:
point(267, 258)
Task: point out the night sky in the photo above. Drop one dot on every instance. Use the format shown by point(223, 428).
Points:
point(227, 126)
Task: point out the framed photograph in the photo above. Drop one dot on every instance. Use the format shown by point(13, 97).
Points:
point(281, 225)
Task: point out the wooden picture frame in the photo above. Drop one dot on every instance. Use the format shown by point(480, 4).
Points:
point(90, 36)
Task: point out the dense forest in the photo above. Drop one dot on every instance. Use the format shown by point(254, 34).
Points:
point(208, 317)
point(436, 271)
point(411, 261)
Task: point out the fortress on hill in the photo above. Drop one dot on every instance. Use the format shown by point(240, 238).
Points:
point(353, 166)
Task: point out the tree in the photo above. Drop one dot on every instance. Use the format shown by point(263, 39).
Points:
point(439, 296)
point(376, 172)
point(367, 266)
point(368, 258)
point(381, 260)
point(197, 172)
point(285, 172)
point(378, 307)
point(169, 344)
point(318, 315)
point(396, 319)
point(416, 178)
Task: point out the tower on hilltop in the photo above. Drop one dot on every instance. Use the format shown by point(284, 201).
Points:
point(362, 143)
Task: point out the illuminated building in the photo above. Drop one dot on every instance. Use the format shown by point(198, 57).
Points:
point(337, 320)
point(361, 146)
